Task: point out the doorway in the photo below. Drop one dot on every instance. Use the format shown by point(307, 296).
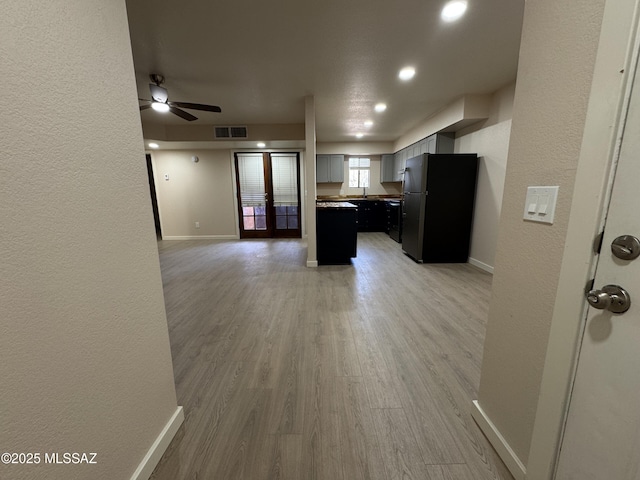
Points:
point(268, 190)
point(154, 198)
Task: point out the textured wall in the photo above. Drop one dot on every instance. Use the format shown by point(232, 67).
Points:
point(195, 192)
point(491, 145)
point(86, 364)
point(557, 54)
point(490, 140)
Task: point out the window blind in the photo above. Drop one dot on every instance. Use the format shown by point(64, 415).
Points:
point(284, 178)
point(251, 174)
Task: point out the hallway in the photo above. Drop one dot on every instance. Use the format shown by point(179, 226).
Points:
point(340, 372)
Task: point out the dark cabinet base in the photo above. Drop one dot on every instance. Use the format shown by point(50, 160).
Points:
point(337, 235)
point(372, 215)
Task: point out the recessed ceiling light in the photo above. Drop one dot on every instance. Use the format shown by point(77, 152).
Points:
point(407, 73)
point(153, 145)
point(261, 144)
point(453, 10)
point(359, 135)
point(368, 123)
point(160, 107)
point(380, 107)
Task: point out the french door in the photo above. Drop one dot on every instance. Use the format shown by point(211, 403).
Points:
point(268, 186)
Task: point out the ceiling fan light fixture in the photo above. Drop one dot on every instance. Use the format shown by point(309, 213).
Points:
point(160, 107)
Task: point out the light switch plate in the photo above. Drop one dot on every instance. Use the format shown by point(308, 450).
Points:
point(540, 204)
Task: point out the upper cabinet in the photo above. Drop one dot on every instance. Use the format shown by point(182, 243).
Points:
point(329, 168)
point(436, 143)
point(388, 172)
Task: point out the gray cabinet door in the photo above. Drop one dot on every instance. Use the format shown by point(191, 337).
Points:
point(336, 168)
point(322, 168)
point(445, 143)
point(387, 168)
point(397, 167)
point(431, 144)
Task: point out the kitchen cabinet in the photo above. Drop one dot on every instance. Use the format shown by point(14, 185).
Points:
point(372, 215)
point(329, 168)
point(388, 171)
point(337, 233)
point(440, 143)
point(394, 219)
point(436, 143)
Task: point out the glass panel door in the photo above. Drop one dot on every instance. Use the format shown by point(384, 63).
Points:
point(286, 198)
point(268, 186)
point(252, 195)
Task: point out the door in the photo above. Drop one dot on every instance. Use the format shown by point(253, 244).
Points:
point(413, 208)
point(268, 187)
point(414, 180)
point(154, 198)
point(602, 433)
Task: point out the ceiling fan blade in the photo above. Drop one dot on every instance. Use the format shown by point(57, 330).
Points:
point(197, 106)
point(181, 113)
point(158, 93)
point(144, 107)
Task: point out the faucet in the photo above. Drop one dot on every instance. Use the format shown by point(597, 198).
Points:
point(364, 192)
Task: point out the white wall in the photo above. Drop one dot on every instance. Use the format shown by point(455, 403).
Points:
point(557, 57)
point(490, 140)
point(86, 365)
point(195, 192)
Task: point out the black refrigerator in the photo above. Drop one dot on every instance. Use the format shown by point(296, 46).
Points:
point(437, 212)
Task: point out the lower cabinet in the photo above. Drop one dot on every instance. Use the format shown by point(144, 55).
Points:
point(372, 215)
point(336, 235)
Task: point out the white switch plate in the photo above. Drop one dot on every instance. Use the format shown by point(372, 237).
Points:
point(540, 204)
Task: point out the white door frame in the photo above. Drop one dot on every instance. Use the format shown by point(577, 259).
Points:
point(617, 51)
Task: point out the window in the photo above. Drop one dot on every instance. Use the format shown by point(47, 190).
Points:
point(359, 172)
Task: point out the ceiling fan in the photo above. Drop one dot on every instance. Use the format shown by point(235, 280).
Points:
point(160, 101)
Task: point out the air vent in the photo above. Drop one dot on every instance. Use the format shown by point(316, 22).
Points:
point(231, 132)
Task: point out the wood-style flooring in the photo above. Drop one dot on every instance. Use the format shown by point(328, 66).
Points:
point(351, 372)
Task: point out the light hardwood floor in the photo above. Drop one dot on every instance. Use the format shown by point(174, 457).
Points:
point(338, 372)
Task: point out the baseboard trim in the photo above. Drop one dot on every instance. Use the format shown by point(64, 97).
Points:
point(481, 265)
point(506, 453)
point(153, 456)
point(201, 237)
point(312, 263)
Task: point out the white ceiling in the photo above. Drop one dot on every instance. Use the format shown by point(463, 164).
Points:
point(258, 59)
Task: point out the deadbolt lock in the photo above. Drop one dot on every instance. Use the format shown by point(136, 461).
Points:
point(626, 247)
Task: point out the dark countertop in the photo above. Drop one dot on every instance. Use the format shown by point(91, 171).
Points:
point(336, 205)
point(372, 198)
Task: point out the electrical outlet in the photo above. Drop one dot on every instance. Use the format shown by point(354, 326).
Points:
point(197, 224)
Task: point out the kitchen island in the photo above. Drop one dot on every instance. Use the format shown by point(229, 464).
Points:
point(337, 232)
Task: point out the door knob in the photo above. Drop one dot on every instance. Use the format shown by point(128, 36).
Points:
point(611, 297)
